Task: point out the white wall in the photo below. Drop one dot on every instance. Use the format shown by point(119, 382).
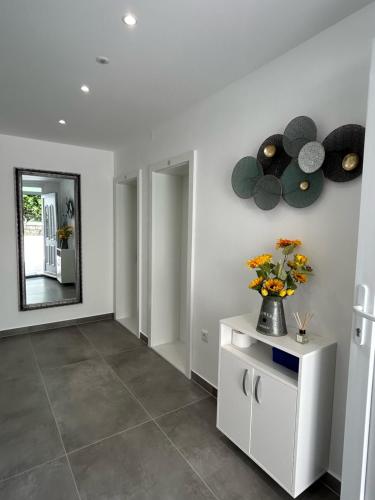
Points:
point(327, 79)
point(96, 169)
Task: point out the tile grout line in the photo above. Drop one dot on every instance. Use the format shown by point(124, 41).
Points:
point(54, 417)
point(181, 407)
point(30, 469)
point(76, 450)
point(127, 429)
point(152, 418)
point(184, 458)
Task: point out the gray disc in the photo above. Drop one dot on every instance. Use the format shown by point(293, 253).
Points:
point(267, 192)
point(298, 132)
point(311, 157)
point(245, 175)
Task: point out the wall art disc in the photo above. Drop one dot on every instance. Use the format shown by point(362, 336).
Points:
point(311, 157)
point(273, 156)
point(298, 132)
point(267, 192)
point(245, 175)
point(299, 188)
point(342, 144)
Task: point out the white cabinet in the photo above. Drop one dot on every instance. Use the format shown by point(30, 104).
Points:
point(273, 427)
point(281, 419)
point(65, 265)
point(235, 390)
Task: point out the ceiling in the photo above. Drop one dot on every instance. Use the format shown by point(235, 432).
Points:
point(179, 52)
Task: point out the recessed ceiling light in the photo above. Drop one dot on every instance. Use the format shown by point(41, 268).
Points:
point(85, 89)
point(62, 122)
point(102, 60)
point(129, 19)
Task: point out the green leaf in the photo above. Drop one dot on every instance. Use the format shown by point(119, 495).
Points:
point(288, 250)
point(283, 275)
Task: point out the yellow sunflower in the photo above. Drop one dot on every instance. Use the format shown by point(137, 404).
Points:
point(300, 260)
point(274, 285)
point(259, 261)
point(256, 282)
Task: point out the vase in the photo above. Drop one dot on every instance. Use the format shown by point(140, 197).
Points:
point(271, 318)
point(64, 244)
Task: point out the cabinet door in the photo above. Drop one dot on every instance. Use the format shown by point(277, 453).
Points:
point(273, 427)
point(234, 405)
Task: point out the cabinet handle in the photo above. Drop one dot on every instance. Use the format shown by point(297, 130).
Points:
point(256, 389)
point(244, 382)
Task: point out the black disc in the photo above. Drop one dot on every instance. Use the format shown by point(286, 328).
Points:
point(343, 141)
point(245, 175)
point(276, 164)
point(299, 188)
point(298, 132)
point(267, 192)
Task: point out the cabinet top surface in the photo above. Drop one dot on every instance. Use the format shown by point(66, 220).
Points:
point(246, 323)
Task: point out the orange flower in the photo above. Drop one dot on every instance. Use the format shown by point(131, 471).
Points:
point(259, 261)
point(282, 243)
point(256, 282)
point(301, 278)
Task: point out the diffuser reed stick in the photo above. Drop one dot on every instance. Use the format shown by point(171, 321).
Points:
point(303, 322)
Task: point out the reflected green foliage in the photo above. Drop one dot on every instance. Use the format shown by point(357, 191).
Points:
point(32, 207)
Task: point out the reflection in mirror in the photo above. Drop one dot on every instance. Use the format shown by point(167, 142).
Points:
point(48, 220)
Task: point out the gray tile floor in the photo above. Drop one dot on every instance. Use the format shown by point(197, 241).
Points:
point(44, 289)
point(89, 413)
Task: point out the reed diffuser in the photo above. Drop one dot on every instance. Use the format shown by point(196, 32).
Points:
point(302, 323)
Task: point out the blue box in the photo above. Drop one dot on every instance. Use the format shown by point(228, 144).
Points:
point(285, 359)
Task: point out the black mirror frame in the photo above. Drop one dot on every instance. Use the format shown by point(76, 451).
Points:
point(18, 173)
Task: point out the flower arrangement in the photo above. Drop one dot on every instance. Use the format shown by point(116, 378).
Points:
point(282, 278)
point(63, 234)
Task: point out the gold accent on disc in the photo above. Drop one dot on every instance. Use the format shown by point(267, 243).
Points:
point(304, 185)
point(269, 151)
point(350, 162)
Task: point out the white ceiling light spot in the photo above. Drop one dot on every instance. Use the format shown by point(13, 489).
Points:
point(130, 20)
point(62, 122)
point(85, 89)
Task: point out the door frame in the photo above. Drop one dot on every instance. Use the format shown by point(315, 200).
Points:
point(118, 181)
point(189, 159)
point(360, 406)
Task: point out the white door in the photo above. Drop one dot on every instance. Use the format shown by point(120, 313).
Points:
point(359, 445)
point(273, 427)
point(234, 399)
point(49, 214)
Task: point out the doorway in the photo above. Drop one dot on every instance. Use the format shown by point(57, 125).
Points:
point(127, 252)
point(171, 259)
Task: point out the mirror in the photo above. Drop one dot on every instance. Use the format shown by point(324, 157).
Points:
point(49, 238)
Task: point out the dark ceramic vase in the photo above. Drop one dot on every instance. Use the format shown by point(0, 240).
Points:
point(64, 244)
point(271, 318)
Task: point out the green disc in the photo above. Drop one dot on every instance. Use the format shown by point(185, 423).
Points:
point(267, 192)
point(299, 188)
point(245, 175)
